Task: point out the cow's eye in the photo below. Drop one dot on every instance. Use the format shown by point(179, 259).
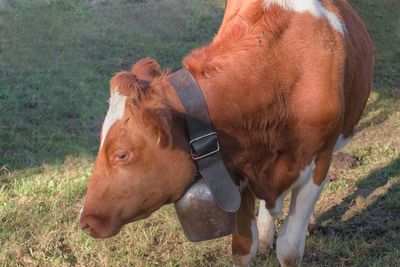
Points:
point(121, 155)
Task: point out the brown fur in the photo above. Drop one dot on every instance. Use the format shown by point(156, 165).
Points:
point(242, 237)
point(280, 86)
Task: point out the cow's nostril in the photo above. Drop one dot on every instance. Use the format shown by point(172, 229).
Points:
point(86, 228)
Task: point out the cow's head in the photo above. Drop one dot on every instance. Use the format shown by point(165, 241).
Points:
point(143, 160)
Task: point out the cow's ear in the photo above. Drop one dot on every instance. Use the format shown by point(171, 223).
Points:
point(146, 69)
point(159, 122)
point(126, 83)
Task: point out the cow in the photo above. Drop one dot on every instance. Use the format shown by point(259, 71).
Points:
point(285, 81)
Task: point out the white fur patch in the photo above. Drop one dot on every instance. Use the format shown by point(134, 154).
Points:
point(115, 112)
point(304, 175)
point(263, 213)
point(290, 243)
point(334, 20)
point(312, 6)
point(342, 142)
point(266, 228)
point(279, 204)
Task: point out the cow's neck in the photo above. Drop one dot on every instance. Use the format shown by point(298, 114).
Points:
point(244, 87)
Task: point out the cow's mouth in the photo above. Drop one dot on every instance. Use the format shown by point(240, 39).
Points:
point(98, 228)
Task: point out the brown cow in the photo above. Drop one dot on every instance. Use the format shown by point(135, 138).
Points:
point(285, 81)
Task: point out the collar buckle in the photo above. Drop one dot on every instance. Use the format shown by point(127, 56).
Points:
point(204, 146)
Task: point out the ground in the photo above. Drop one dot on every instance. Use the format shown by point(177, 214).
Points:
point(56, 58)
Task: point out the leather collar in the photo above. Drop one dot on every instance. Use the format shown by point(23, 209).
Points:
point(204, 145)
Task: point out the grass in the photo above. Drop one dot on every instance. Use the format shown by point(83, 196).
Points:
point(56, 58)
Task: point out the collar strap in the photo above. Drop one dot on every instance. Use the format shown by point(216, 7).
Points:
point(204, 145)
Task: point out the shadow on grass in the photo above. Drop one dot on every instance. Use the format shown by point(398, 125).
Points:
point(371, 230)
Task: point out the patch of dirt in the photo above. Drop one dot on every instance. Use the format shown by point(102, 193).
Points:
point(342, 161)
point(332, 175)
point(396, 142)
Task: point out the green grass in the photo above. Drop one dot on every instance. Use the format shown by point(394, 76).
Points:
point(56, 58)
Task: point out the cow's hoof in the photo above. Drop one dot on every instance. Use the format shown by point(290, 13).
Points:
point(264, 247)
point(242, 261)
point(290, 261)
point(312, 225)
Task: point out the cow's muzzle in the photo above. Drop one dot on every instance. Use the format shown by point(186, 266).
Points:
point(98, 226)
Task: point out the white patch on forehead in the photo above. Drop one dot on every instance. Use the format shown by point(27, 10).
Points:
point(312, 6)
point(115, 112)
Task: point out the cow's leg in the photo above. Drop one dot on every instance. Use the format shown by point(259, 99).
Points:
point(266, 223)
point(245, 237)
point(312, 224)
point(266, 228)
point(291, 239)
